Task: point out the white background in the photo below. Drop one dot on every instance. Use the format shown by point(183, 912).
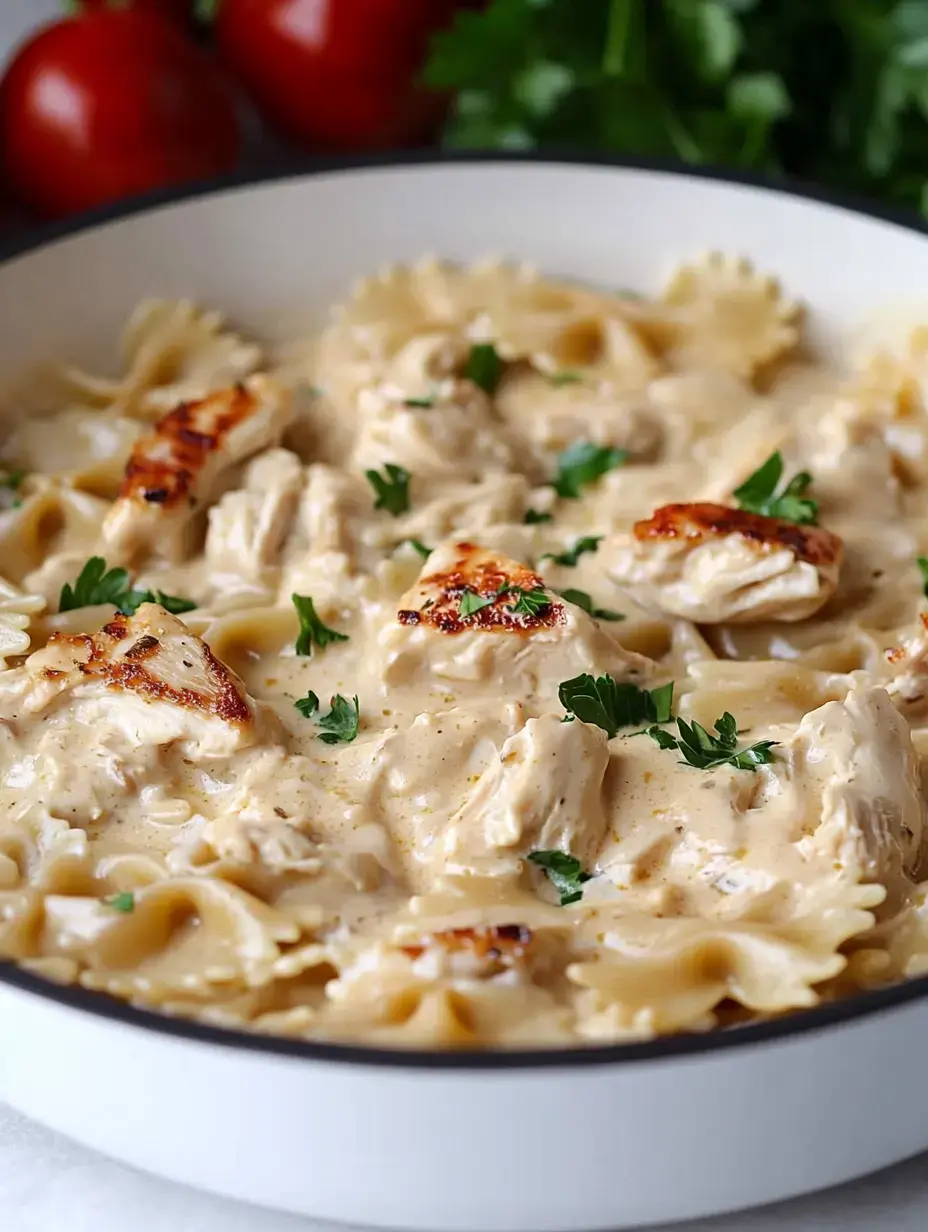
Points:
point(48, 1184)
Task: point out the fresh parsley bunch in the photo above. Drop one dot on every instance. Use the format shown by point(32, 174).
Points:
point(834, 91)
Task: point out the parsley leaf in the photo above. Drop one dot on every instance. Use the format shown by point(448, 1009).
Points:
point(532, 517)
point(582, 464)
point(484, 366)
point(706, 751)
point(564, 872)
point(581, 599)
point(308, 705)
point(611, 705)
point(174, 604)
point(471, 602)
point(391, 493)
point(340, 725)
point(565, 378)
point(312, 631)
point(124, 902)
point(415, 544)
point(922, 562)
point(13, 479)
point(96, 584)
point(761, 493)
point(424, 403)
point(528, 602)
point(569, 558)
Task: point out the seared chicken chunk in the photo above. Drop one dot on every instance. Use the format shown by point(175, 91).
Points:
point(712, 564)
point(476, 952)
point(857, 759)
point(476, 615)
point(907, 672)
point(543, 792)
point(247, 527)
point(146, 679)
point(181, 467)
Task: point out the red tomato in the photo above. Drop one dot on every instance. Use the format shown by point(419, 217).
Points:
point(108, 104)
point(182, 10)
point(336, 74)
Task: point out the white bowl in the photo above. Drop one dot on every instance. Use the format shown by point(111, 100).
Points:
point(599, 1138)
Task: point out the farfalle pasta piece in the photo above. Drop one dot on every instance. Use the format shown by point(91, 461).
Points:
point(727, 316)
point(711, 563)
point(17, 610)
point(173, 352)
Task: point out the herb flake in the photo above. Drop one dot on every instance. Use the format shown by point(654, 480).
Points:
point(484, 366)
point(922, 562)
point(705, 751)
point(569, 558)
point(124, 902)
point(532, 517)
point(611, 705)
point(391, 489)
point(564, 872)
point(762, 493)
point(312, 630)
point(340, 725)
point(580, 598)
point(582, 464)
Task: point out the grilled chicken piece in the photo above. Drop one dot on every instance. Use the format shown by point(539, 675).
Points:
point(520, 635)
point(147, 680)
point(544, 792)
point(855, 762)
point(712, 564)
point(479, 952)
point(248, 526)
point(182, 466)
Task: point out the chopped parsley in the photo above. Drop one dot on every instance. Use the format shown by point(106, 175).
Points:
point(582, 464)
point(610, 705)
point(532, 517)
point(340, 725)
point(96, 584)
point(12, 480)
point(391, 489)
point(419, 547)
point(426, 402)
point(564, 872)
point(581, 599)
point(762, 493)
point(566, 378)
point(124, 902)
point(922, 562)
point(484, 366)
point(527, 602)
point(312, 631)
point(705, 751)
point(589, 543)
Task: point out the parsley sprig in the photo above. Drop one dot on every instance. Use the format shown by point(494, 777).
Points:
point(527, 602)
point(484, 366)
point(581, 599)
point(922, 562)
point(564, 872)
point(391, 489)
point(312, 630)
point(610, 705)
point(532, 517)
point(96, 585)
point(568, 558)
point(582, 464)
point(762, 493)
point(706, 751)
point(340, 725)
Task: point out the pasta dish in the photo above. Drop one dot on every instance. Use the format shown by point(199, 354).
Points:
point(511, 663)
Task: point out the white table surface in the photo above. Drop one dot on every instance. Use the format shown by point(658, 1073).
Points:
point(48, 1184)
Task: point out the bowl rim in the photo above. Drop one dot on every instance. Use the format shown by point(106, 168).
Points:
point(663, 1048)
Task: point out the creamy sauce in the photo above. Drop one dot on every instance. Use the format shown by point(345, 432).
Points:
point(177, 831)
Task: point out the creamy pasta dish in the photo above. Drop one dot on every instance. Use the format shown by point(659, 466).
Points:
point(510, 664)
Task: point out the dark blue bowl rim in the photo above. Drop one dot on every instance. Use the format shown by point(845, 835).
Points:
point(667, 1048)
